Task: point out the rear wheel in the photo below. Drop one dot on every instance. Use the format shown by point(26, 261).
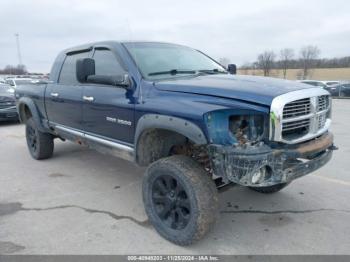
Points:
point(270, 189)
point(180, 199)
point(40, 144)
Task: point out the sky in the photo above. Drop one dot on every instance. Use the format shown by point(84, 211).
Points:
point(237, 30)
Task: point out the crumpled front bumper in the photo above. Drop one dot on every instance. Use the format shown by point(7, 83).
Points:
point(282, 163)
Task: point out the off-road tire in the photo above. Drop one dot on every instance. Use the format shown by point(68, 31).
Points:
point(200, 192)
point(40, 145)
point(270, 189)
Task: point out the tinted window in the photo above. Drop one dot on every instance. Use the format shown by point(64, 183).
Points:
point(68, 71)
point(106, 63)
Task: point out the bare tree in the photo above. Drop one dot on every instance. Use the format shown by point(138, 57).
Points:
point(265, 61)
point(286, 55)
point(14, 70)
point(224, 61)
point(308, 55)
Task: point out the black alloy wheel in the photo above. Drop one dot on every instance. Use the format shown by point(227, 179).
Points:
point(180, 199)
point(40, 144)
point(171, 202)
point(32, 139)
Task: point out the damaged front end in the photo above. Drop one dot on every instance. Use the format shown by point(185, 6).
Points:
point(241, 152)
point(261, 165)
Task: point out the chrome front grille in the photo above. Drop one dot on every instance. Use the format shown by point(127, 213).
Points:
point(300, 115)
point(323, 103)
point(297, 108)
point(321, 121)
point(296, 125)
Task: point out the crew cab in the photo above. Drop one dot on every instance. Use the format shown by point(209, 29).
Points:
point(194, 124)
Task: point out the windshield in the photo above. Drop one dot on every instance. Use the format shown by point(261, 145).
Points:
point(161, 60)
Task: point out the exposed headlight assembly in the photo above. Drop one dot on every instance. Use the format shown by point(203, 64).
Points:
point(236, 128)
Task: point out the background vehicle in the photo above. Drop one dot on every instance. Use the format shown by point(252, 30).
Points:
point(314, 83)
point(330, 83)
point(179, 112)
point(14, 82)
point(339, 90)
point(8, 111)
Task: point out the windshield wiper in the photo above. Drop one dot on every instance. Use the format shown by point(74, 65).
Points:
point(172, 72)
point(212, 71)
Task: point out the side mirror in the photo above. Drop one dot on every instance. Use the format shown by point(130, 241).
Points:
point(85, 67)
point(232, 69)
point(114, 80)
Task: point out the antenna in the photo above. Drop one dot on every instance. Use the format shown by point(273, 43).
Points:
point(18, 49)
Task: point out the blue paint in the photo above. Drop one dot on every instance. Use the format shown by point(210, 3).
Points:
point(194, 98)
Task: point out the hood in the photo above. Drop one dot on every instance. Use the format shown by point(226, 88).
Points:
point(261, 90)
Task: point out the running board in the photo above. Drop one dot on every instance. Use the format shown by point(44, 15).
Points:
point(100, 144)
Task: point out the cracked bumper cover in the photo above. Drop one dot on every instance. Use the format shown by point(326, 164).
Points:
point(283, 164)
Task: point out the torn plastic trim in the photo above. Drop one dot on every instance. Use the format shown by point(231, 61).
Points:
point(280, 165)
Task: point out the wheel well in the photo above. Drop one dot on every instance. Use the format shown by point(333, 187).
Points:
point(25, 113)
point(154, 144)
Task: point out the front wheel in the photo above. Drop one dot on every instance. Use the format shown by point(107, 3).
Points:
point(270, 189)
point(40, 144)
point(180, 199)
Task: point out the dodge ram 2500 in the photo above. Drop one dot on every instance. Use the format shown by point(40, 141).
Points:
point(194, 124)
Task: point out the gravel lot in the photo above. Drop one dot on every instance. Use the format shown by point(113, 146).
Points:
point(83, 202)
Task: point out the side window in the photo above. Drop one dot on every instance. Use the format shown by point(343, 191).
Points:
point(106, 63)
point(67, 75)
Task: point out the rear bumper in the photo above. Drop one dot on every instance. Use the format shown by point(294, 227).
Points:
point(9, 113)
point(282, 164)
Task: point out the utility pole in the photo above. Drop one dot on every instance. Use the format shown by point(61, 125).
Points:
point(18, 49)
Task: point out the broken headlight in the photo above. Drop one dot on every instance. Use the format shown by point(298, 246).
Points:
point(226, 127)
point(247, 128)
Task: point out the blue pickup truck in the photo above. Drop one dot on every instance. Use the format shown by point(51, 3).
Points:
point(197, 126)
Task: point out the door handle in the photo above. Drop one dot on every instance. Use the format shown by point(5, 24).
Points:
point(89, 98)
point(55, 94)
